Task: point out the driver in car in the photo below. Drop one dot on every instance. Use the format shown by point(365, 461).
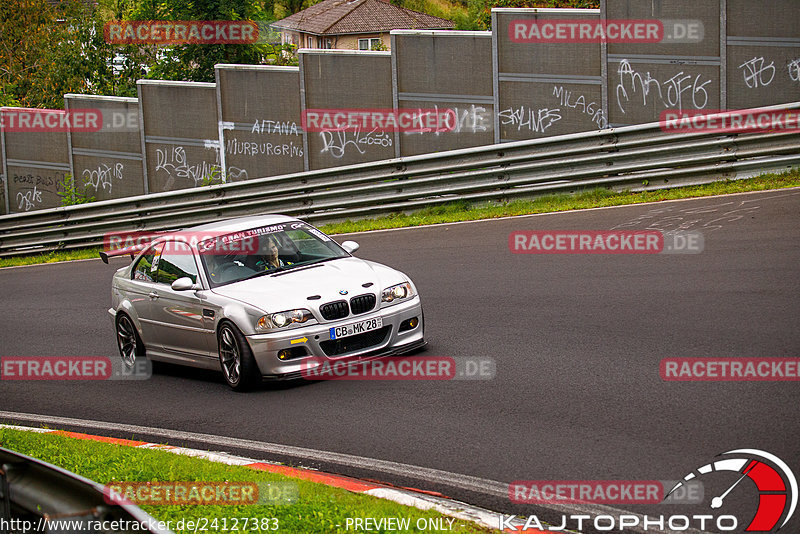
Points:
point(271, 260)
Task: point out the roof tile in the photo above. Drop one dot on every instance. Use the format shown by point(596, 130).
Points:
point(334, 17)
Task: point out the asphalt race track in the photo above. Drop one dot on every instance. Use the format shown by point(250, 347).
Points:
point(577, 341)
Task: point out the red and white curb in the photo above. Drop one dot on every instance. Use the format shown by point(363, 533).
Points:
point(405, 496)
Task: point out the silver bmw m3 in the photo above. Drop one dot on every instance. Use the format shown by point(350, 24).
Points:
point(259, 297)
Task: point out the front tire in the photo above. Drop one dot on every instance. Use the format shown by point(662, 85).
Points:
point(236, 359)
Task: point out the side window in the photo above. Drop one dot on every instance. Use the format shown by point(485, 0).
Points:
point(145, 269)
point(177, 261)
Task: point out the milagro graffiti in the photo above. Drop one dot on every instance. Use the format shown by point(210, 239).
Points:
point(571, 100)
point(530, 119)
point(678, 92)
point(103, 176)
point(337, 143)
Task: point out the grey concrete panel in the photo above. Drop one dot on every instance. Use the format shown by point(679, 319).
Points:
point(639, 90)
point(763, 18)
point(108, 163)
point(181, 134)
point(37, 163)
point(707, 12)
point(107, 177)
point(120, 131)
point(440, 70)
point(176, 166)
point(547, 88)
point(532, 110)
point(363, 80)
point(262, 131)
point(560, 58)
point(178, 109)
point(444, 62)
point(763, 75)
point(43, 147)
point(34, 188)
point(474, 126)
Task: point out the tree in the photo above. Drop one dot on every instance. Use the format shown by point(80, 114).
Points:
point(195, 62)
point(46, 52)
point(25, 37)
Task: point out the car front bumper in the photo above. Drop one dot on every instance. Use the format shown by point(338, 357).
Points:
point(313, 338)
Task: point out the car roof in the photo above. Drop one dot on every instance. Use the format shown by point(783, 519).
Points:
point(239, 224)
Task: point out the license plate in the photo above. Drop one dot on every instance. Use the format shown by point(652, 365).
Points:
point(356, 328)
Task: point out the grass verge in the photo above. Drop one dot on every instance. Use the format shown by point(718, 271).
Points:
point(51, 257)
point(319, 508)
point(463, 211)
point(594, 198)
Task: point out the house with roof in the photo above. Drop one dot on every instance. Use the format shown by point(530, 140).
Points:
point(353, 24)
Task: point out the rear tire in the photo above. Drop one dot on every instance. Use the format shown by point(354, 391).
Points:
point(236, 359)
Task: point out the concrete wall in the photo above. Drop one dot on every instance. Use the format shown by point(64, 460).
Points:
point(498, 87)
point(108, 163)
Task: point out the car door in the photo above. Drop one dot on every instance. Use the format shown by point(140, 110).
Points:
point(180, 325)
point(139, 290)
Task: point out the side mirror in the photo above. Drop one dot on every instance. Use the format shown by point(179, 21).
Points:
point(350, 246)
point(184, 284)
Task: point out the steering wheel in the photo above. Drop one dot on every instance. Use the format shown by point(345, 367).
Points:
point(224, 269)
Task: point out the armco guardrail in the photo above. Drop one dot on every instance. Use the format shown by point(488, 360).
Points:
point(38, 497)
point(637, 157)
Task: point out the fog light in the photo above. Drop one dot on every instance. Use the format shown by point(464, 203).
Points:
point(292, 353)
point(409, 324)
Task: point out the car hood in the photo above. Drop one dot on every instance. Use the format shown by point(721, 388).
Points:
point(290, 289)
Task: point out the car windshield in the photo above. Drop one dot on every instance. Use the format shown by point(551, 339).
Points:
point(265, 250)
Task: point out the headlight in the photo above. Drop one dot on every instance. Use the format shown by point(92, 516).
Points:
point(400, 291)
point(282, 319)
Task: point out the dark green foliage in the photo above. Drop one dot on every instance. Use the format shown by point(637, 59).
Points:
point(485, 16)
